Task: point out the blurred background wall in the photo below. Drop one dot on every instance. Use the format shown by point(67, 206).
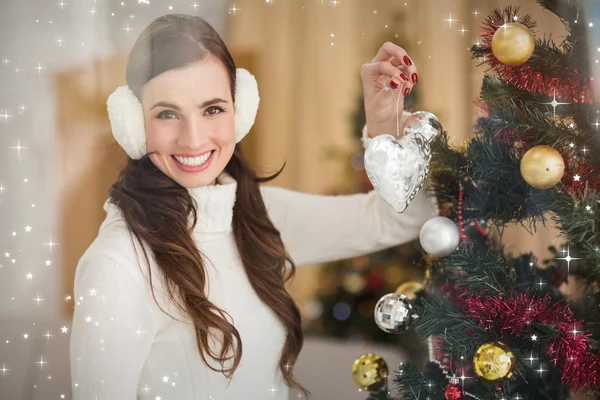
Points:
point(60, 60)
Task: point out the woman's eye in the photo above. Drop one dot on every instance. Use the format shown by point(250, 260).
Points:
point(166, 115)
point(214, 110)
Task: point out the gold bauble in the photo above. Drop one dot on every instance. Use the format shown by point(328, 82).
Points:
point(354, 282)
point(370, 372)
point(409, 289)
point(542, 167)
point(392, 274)
point(513, 44)
point(494, 362)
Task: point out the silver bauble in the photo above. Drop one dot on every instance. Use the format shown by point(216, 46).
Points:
point(439, 236)
point(393, 313)
point(423, 123)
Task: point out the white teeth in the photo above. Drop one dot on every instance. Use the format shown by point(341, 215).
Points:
point(193, 161)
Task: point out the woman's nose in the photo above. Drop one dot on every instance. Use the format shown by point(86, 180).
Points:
point(191, 136)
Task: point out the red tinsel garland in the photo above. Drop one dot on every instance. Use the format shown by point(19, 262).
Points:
point(579, 176)
point(569, 350)
point(510, 136)
point(566, 83)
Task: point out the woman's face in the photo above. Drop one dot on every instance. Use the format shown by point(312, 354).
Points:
point(189, 119)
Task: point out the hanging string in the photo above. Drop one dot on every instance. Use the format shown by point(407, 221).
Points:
point(397, 101)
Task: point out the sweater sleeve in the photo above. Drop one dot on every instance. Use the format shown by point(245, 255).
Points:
point(319, 228)
point(112, 332)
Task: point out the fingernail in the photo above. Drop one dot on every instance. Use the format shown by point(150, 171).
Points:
point(394, 84)
point(407, 60)
point(415, 77)
point(404, 77)
point(406, 92)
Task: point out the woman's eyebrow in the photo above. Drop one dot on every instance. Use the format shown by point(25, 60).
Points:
point(175, 107)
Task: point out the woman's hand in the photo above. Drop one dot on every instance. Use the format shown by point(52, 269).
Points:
point(392, 68)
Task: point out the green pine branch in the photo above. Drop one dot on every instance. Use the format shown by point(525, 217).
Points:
point(495, 90)
point(532, 124)
point(484, 272)
point(567, 10)
point(579, 221)
point(576, 47)
point(412, 384)
point(443, 318)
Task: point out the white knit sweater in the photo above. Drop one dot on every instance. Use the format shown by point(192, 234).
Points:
point(124, 347)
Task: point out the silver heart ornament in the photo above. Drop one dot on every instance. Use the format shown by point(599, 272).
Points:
point(397, 168)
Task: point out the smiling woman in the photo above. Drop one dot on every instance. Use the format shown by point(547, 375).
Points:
point(177, 120)
point(190, 264)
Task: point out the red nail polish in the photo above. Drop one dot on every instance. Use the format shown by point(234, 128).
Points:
point(407, 60)
point(404, 77)
point(393, 84)
point(415, 78)
point(406, 92)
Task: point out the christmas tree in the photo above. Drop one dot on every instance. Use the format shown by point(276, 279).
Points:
point(497, 325)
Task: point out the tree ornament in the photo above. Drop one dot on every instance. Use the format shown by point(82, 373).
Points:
point(354, 282)
point(542, 167)
point(397, 167)
point(494, 362)
point(513, 44)
point(439, 236)
point(393, 313)
point(409, 289)
point(370, 372)
point(453, 392)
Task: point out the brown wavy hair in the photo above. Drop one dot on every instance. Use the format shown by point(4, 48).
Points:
point(157, 210)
